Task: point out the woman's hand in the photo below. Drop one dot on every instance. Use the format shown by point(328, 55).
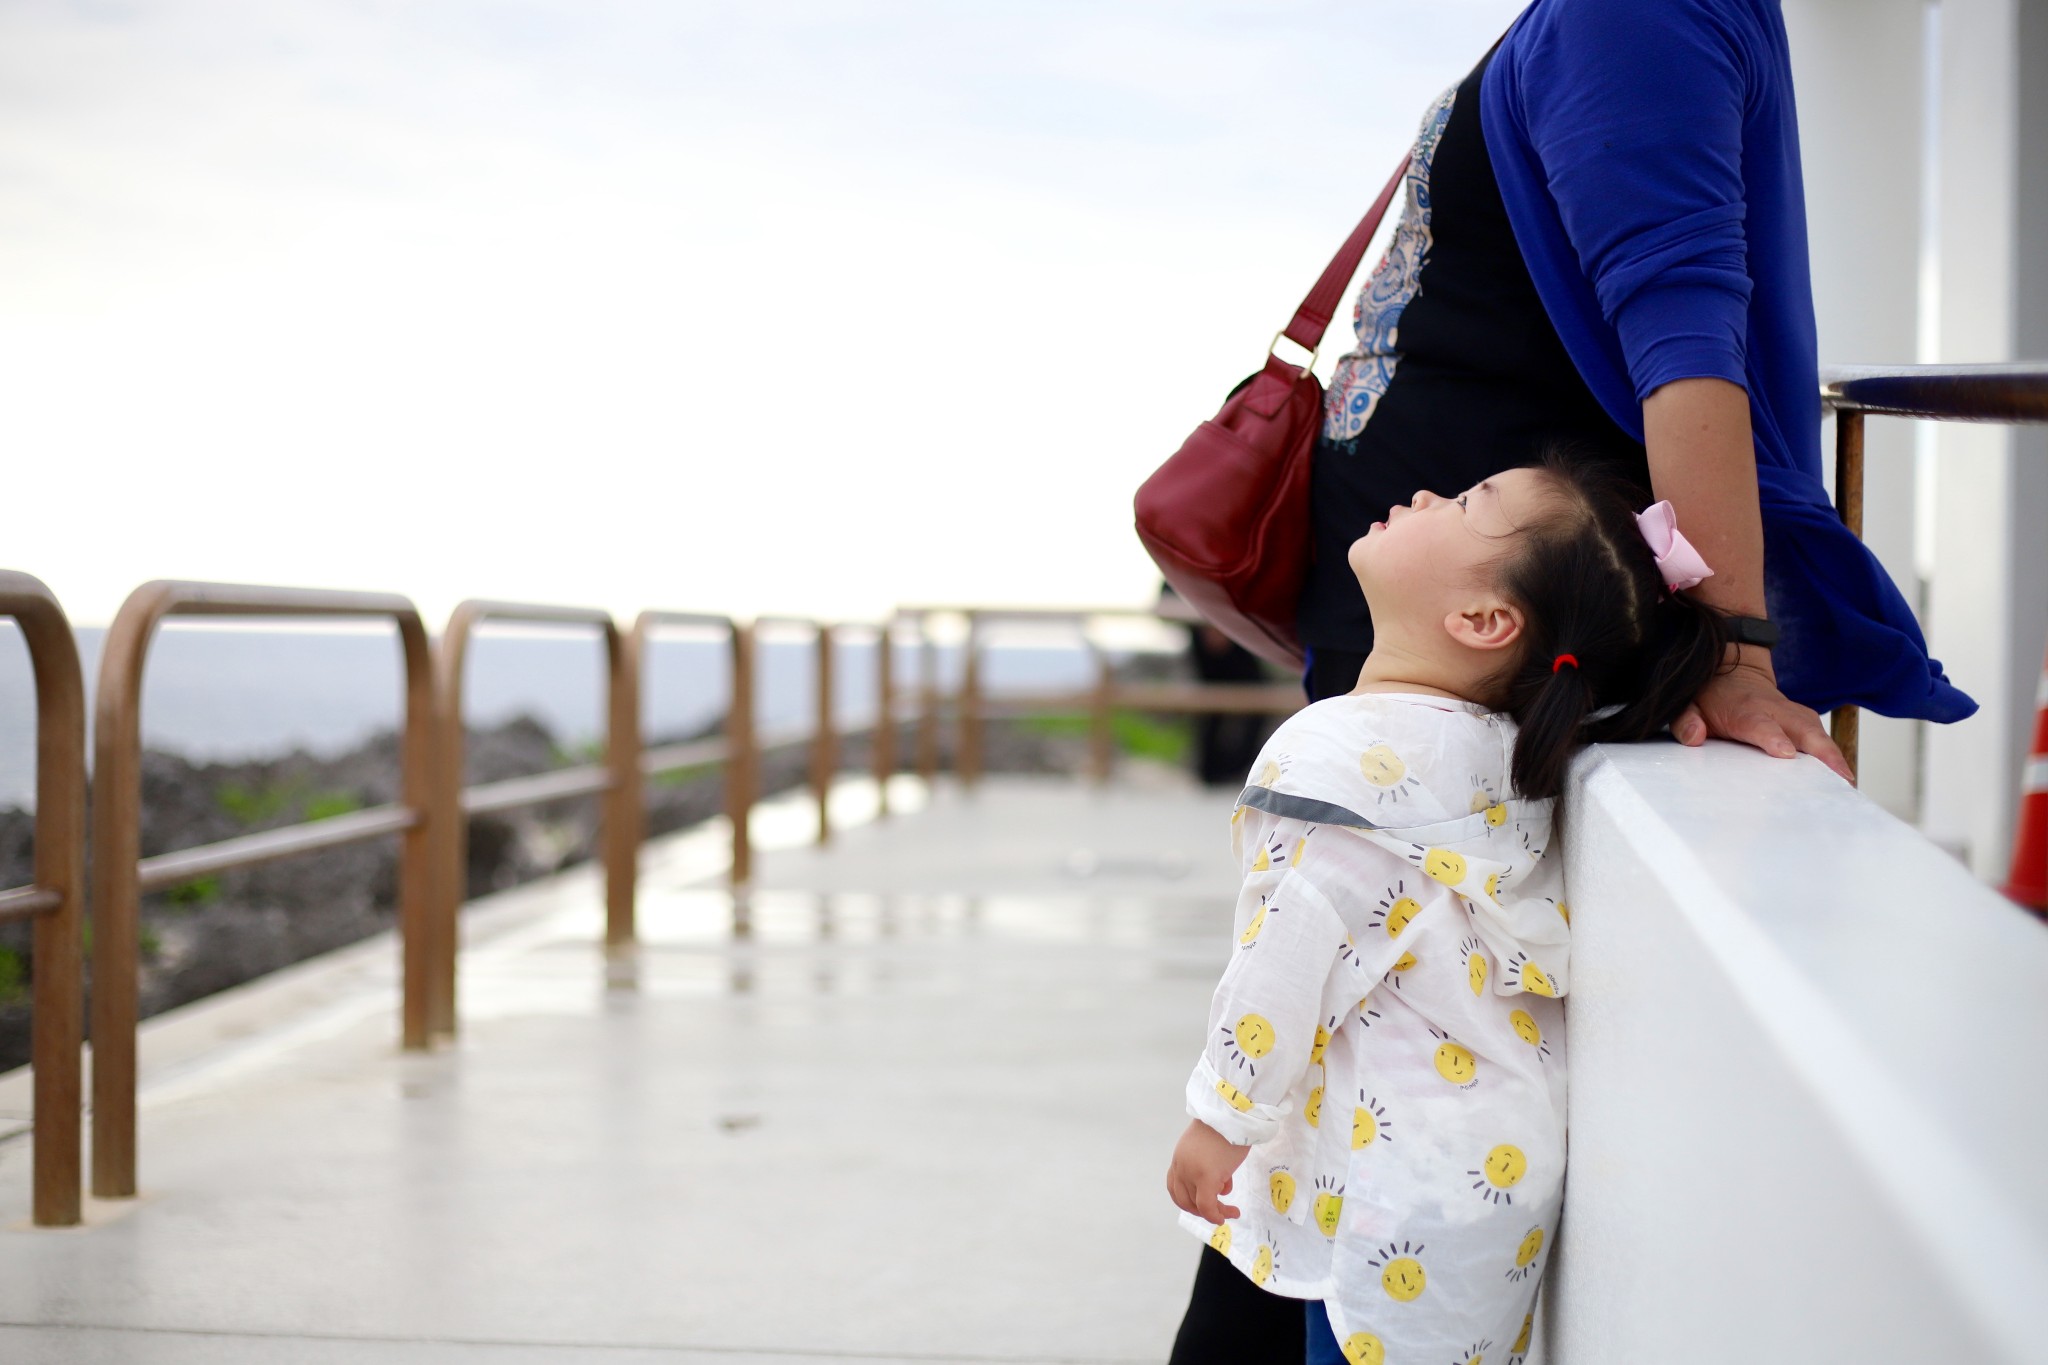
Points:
point(1744, 704)
point(1203, 1163)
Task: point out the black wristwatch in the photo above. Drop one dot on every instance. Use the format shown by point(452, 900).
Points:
point(1751, 630)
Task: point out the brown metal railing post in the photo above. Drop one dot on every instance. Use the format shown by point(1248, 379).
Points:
point(927, 702)
point(625, 804)
point(118, 874)
point(1845, 724)
point(742, 768)
point(621, 750)
point(968, 764)
point(825, 740)
point(56, 901)
point(885, 714)
point(1101, 739)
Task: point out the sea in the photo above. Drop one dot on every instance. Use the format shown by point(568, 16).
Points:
point(225, 692)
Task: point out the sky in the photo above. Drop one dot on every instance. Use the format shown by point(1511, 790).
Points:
point(779, 306)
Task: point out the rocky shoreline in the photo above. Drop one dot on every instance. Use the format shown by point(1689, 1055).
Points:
point(217, 932)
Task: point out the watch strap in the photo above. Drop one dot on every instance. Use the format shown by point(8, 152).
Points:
point(1752, 630)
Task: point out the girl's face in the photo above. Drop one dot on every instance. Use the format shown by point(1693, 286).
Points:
point(1430, 558)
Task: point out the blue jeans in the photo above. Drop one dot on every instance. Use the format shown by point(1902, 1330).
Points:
point(1322, 1342)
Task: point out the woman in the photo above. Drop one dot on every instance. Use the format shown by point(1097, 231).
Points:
point(1604, 242)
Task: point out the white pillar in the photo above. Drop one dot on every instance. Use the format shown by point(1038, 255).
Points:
point(1856, 68)
point(1988, 602)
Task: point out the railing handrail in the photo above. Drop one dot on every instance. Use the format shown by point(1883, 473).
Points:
point(55, 900)
point(117, 864)
point(2006, 393)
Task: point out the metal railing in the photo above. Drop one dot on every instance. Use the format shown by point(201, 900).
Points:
point(2006, 394)
point(432, 814)
point(975, 706)
point(120, 875)
point(615, 780)
point(55, 900)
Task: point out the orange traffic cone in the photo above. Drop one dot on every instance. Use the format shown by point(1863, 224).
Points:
point(2028, 883)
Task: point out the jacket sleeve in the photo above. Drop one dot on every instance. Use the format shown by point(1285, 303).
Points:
point(1295, 964)
point(1635, 112)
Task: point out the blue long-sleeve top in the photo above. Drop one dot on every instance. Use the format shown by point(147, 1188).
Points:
point(1647, 152)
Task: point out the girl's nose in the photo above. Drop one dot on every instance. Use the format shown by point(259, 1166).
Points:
point(1422, 499)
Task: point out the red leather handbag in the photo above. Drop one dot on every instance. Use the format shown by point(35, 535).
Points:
point(1226, 518)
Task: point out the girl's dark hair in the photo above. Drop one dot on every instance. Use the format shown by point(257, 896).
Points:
point(1589, 587)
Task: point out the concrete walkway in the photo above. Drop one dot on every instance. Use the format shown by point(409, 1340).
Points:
point(920, 1113)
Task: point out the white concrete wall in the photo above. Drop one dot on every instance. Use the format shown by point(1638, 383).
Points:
point(1807, 1096)
point(1856, 66)
point(1988, 601)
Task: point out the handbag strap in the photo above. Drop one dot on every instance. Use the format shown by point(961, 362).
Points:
point(1312, 319)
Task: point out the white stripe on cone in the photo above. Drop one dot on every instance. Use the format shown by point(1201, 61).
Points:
point(2034, 777)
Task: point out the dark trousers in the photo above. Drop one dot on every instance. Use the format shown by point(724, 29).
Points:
point(1230, 1320)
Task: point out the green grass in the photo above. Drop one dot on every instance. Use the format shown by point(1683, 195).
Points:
point(1133, 733)
point(253, 807)
point(683, 777)
point(261, 805)
point(13, 978)
point(327, 805)
point(195, 893)
point(588, 752)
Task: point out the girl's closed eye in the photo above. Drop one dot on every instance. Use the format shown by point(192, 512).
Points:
point(1461, 499)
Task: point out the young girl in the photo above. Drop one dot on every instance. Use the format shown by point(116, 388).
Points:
point(1382, 1099)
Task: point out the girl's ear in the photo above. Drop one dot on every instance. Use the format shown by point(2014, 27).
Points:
point(1491, 624)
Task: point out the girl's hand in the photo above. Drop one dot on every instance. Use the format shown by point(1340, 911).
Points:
point(1744, 704)
point(1203, 1162)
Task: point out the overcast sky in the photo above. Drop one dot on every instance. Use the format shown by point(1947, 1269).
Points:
point(768, 306)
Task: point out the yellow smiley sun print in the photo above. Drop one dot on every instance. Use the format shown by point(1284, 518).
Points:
point(1401, 1272)
point(1395, 910)
point(1280, 1186)
point(1454, 1061)
point(1266, 911)
point(1525, 1256)
point(1369, 1123)
point(1502, 1170)
point(1386, 772)
point(1440, 864)
point(1250, 1040)
point(1363, 1348)
point(1328, 1206)
point(1473, 952)
point(1530, 977)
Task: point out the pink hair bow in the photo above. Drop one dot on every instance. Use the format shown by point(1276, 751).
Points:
point(1680, 564)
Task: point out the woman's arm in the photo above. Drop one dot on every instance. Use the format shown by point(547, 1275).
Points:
point(1702, 458)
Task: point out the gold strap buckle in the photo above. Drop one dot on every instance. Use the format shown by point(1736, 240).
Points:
point(1273, 350)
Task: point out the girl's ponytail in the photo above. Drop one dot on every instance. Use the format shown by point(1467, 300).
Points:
point(1556, 706)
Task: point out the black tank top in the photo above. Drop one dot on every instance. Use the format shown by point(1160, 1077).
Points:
point(1482, 382)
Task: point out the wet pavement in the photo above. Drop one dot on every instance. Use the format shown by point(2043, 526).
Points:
point(918, 1110)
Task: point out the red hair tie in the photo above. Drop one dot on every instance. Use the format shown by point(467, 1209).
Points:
point(1561, 660)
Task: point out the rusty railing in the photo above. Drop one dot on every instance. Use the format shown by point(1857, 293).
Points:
point(120, 875)
point(2006, 394)
point(55, 900)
